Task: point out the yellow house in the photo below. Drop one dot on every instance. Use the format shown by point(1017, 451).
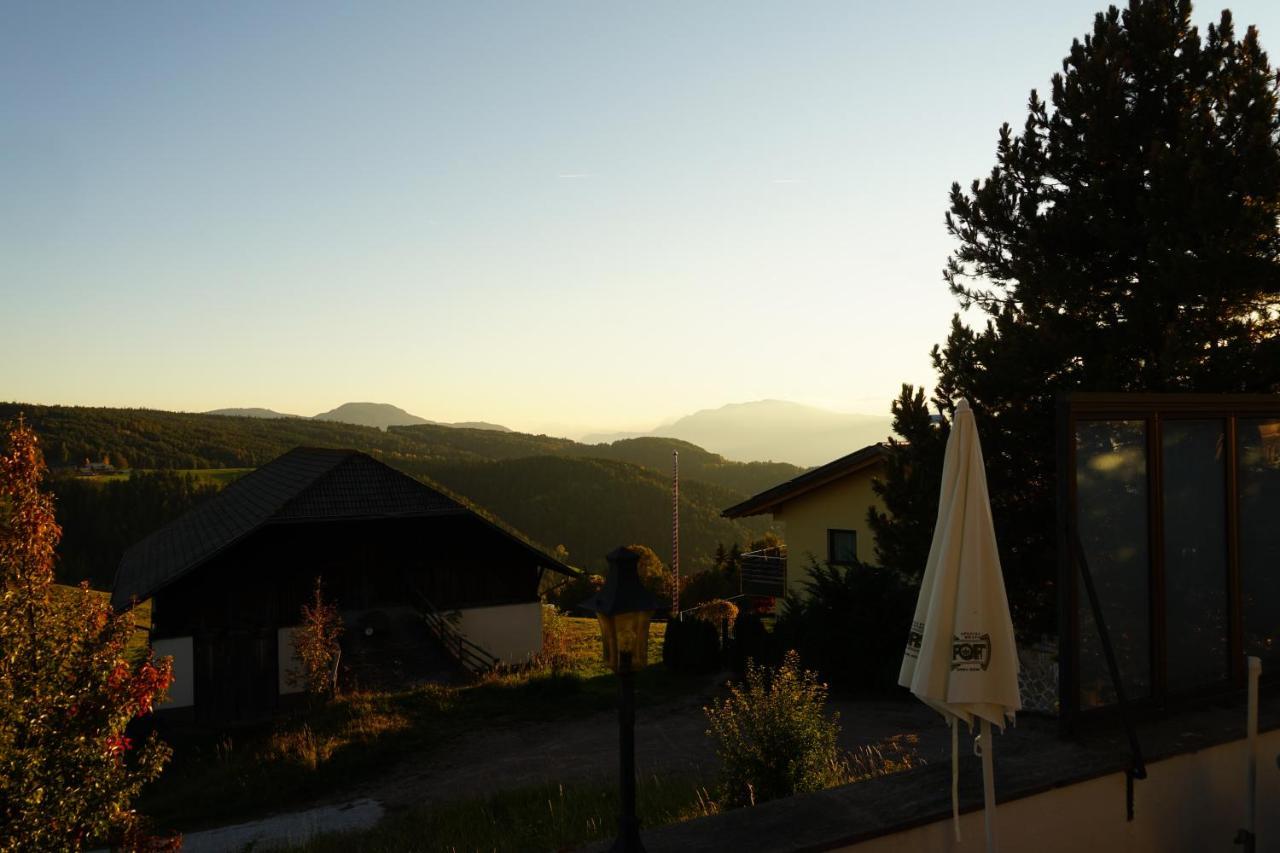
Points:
point(824, 513)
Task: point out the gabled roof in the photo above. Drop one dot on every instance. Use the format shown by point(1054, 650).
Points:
point(305, 484)
point(814, 478)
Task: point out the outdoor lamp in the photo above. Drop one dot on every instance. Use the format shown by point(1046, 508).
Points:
point(624, 608)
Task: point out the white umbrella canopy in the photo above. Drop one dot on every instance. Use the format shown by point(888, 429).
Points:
point(961, 658)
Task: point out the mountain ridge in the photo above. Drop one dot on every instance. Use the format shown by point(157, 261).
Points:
point(769, 430)
point(378, 415)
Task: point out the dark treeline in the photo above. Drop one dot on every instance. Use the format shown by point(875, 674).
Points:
point(101, 519)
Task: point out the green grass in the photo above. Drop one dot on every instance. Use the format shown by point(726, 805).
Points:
point(541, 817)
point(219, 776)
point(218, 476)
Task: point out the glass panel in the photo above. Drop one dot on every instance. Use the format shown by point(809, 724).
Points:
point(844, 547)
point(1195, 553)
point(1259, 445)
point(1111, 506)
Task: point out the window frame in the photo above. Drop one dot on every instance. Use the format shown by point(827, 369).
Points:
point(831, 546)
point(1154, 410)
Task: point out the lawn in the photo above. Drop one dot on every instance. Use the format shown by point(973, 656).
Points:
point(216, 777)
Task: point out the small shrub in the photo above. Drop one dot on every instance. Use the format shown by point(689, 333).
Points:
point(773, 736)
point(751, 641)
point(850, 625)
point(717, 611)
point(557, 643)
point(691, 647)
point(316, 641)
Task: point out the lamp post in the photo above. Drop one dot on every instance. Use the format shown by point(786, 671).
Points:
point(624, 607)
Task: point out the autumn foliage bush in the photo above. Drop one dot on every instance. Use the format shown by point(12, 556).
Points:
point(69, 686)
point(717, 611)
point(773, 736)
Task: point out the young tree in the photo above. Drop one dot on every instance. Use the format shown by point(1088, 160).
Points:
point(316, 642)
point(1126, 240)
point(68, 685)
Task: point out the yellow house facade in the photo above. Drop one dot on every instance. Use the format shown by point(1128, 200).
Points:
point(824, 516)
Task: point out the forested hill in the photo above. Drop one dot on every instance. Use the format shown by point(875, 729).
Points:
point(588, 498)
point(153, 439)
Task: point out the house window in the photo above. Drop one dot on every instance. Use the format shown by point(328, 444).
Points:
point(842, 547)
point(1173, 499)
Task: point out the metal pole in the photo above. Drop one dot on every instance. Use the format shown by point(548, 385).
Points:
point(675, 531)
point(628, 824)
point(1248, 837)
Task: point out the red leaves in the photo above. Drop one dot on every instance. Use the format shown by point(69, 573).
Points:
point(118, 745)
point(150, 682)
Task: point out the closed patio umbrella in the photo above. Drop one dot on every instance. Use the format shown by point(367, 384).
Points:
point(961, 658)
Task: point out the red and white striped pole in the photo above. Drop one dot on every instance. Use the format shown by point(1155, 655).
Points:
point(675, 531)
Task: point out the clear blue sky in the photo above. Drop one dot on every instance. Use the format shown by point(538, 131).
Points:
point(562, 216)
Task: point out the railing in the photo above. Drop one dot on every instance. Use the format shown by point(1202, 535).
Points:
point(764, 572)
point(474, 658)
point(471, 656)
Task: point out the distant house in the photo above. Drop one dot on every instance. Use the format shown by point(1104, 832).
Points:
point(413, 571)
point(824, 513)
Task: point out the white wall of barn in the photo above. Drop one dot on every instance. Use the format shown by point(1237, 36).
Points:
point(182, 692)
point(1189, 803)
point(510, 632)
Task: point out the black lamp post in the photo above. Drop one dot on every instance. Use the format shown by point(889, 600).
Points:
point(624, 608)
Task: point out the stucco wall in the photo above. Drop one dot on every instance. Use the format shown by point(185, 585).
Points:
point(841, 505)
point(1188, 804)
point(182, 692)
point(511, 632)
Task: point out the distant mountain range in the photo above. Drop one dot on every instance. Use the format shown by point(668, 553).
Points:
point(771, 430)
point(764, 430)
point(380, 415)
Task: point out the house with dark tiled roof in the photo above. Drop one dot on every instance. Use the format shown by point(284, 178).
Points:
point(423, 580)
point(823, 513)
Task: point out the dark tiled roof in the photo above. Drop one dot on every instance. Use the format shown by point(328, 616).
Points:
point(305, 484)
point(808, 481)
point(361, 487)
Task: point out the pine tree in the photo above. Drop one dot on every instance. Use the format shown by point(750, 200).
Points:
point(1126, 240)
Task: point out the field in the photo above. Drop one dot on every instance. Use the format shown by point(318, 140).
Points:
point(217, 476)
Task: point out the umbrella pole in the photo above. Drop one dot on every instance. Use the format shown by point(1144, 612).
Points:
point(988, 785)
point(955, 777)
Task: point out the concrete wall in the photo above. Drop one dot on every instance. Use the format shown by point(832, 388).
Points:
point(289, 676)
point(1188, 804)
point(182, 693)
point(511, 632)
point(840, 505)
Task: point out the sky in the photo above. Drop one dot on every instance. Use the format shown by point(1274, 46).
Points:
point(559, 216)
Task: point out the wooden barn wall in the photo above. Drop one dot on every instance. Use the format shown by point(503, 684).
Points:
point(263, 581)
